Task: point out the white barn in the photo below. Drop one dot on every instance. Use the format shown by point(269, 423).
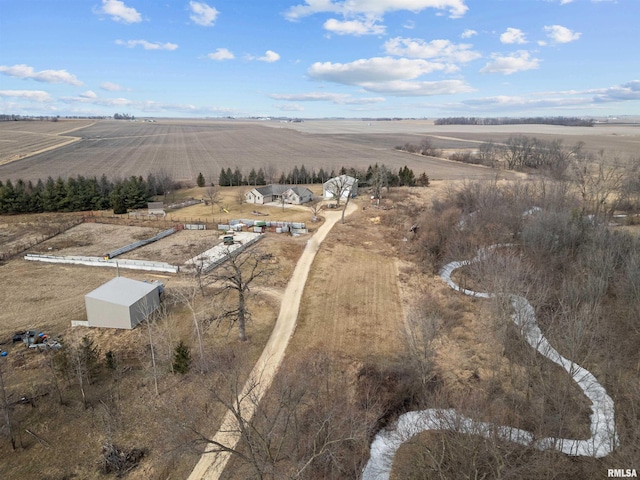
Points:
point(295, 195)
point(121, 303)
point(342, 185)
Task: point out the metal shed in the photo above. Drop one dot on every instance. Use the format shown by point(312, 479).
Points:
point(121, 303)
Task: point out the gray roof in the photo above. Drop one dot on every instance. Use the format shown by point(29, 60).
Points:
point(280, 189)
point(122, 291)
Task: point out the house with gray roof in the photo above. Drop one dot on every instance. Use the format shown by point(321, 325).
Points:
point(293, 194)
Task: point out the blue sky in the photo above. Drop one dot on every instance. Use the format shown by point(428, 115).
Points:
point(320, 58)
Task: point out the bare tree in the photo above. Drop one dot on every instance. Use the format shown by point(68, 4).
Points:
point(422, 325)
point(236, 275)
point(240, 198)
point(270, 172)
point(6, 408)
point(188, 297)
point(339, 186)
point(379, 180)
point(598, 185)
point(315, 205)
point(306, 426)
point(212, 197)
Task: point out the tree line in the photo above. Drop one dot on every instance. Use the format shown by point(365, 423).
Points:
point(564, 121)
point(304, 176)
point(79, 193)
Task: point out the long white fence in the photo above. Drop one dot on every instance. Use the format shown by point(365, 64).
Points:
point(101, 262)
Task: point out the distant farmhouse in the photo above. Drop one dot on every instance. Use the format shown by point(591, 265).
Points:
point(276, 193)
point(341, 186)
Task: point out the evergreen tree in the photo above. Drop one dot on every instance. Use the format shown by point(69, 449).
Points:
point(237, 176)
point(260, 180)
point(223, 180)
point(117, 199)
point(35, 197)
point(48, 196)
point(200, 180)
point(322, 176)
point(181, 358)
point(423, 180)
point(252, 178)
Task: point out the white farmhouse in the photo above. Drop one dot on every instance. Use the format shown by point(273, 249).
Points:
point(295, 195)
point(341, 186)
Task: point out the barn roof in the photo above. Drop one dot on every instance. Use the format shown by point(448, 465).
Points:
point(122, 291)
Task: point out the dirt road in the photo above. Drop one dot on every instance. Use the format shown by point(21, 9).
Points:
point(211, 465)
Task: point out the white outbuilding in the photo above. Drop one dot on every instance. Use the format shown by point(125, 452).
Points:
point(122, 303)
point(341, 186)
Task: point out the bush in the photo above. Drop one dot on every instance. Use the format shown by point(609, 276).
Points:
point(181, 358)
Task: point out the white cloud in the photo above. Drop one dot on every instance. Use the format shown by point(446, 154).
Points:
point(269, 56)
point(468, 33)
point(29, 95)
point(354, 27)
point(221, 54)
point(507, 65)
point(560, 34)
point(626, 91)
point(47, 76)
point(456, 8)
point(335, 98)
point(505, 102)
point(147, 45)
point(203, 14)
point(289, 107)
point(402, 88)
point(119, 12)
point(388, 75)
point(629, 91)
point(377, 69)
point(513, 35)
point(440, 50)
point(112, 87)
point(89, 94)
point(95, 100)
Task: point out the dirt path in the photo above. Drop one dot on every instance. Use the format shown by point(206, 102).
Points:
point(211, 465)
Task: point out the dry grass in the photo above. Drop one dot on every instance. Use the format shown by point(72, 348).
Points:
point(47, 297)
point(351, 304)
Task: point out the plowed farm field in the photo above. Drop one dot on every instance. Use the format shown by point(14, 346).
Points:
point(184, 148)
point(22, 139)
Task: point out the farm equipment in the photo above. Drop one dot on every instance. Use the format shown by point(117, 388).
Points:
point(40, 341)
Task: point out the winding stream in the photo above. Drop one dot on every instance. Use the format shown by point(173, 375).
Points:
point(603, 440)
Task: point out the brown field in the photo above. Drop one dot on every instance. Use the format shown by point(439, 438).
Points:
point(46, 297)
point(185, 148)
point(22, 139)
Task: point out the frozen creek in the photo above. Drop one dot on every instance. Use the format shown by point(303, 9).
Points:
point(603, 440)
